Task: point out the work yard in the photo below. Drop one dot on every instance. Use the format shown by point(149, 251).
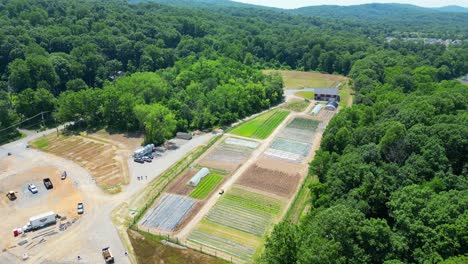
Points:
point(101, 158)
point(228, 155)
point(299, 79)
point(261, 126)
point(271, 181)
point(168, 212)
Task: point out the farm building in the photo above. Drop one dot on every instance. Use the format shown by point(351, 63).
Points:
point(183, 135)
point(316, 109)
point(332, 105)
point(325, 94)
point(196, 179)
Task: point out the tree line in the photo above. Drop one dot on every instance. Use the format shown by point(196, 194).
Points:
point(392, 174)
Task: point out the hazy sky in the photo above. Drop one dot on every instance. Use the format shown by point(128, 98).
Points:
point(301, 3)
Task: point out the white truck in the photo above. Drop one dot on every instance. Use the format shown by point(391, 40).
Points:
point(141, 152)
point(40, 221)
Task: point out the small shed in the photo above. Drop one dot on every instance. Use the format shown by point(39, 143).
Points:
point(316, 109)
point(183, 135)
point(196, 179)
point(332, 105)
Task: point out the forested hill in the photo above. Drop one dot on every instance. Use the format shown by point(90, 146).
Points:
point(395, 17)
point(376, 18)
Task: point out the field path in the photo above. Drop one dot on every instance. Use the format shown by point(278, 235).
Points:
point(183, 233)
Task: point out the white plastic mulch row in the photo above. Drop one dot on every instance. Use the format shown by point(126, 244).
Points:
point(275, 153)
point(241, 142)
point(168, 212)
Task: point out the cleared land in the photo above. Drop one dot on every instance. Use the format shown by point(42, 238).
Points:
point(229, 155)
point(271, 181)
point(206, 186)
point(299, 79)
point(100, 158)
point(168, 212)
point(262, 126)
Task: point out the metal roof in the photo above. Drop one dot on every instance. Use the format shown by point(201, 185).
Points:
point(332, 91)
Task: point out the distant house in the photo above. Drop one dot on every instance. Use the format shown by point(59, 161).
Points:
point(332, 105)
point(326, 94)
point(198, 177)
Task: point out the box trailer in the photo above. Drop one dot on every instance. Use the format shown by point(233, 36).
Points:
point(183, 135)
point(42, 220)
point(106, 254)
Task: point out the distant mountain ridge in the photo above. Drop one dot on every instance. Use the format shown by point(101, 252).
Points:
point(453, 9)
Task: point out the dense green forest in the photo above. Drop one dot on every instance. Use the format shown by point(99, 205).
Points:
point(392, 169)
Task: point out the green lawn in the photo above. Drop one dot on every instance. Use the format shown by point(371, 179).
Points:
point(40, 143)
point(206, 186)
point(305, 94)
point(345, 96)
point(262, 126)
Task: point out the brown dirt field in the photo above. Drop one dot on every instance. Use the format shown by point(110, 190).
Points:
point(220, 165)
point(276, 182)
point(148, 249)
point(180, 185)
point(188, 217)
point(103, 160)
point(130, 141)
point(280, 165)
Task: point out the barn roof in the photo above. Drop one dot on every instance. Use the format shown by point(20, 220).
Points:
point(331, 91)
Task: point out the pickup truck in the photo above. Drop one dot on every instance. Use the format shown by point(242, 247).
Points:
point(48, 183)
point(107, 255)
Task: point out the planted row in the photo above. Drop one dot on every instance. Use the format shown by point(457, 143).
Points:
point(206, 186)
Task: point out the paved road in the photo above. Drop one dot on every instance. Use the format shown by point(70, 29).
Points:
point(95, 229)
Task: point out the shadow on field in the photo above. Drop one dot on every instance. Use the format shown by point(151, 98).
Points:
point(148, 248)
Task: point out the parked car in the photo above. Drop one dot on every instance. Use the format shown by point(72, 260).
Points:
point(139, 160)
point(80, 208)
point(32, 188)
point(48, 183)
point(64, 175)
point(148, 158)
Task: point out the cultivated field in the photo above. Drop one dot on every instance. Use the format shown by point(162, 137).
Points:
point(206, 186)
point(304, 123)
point(291, 146)
point(99, 157)
point(168, 212)
point(272, 181)
point(298, 79)
point(229, 155)
point(297, 106)
point(237, 223)
point(262, 126)
point(180, 186)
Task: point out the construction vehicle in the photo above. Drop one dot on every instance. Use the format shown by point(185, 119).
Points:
point(107, 255)
point(11, 195)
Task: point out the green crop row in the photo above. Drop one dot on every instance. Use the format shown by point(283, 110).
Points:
point(304, 123)
point(261, 126)
point(206, 186)
point(269, 125)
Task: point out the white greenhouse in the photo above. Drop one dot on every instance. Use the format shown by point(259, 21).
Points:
point(316, 110)
point(196, 179)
